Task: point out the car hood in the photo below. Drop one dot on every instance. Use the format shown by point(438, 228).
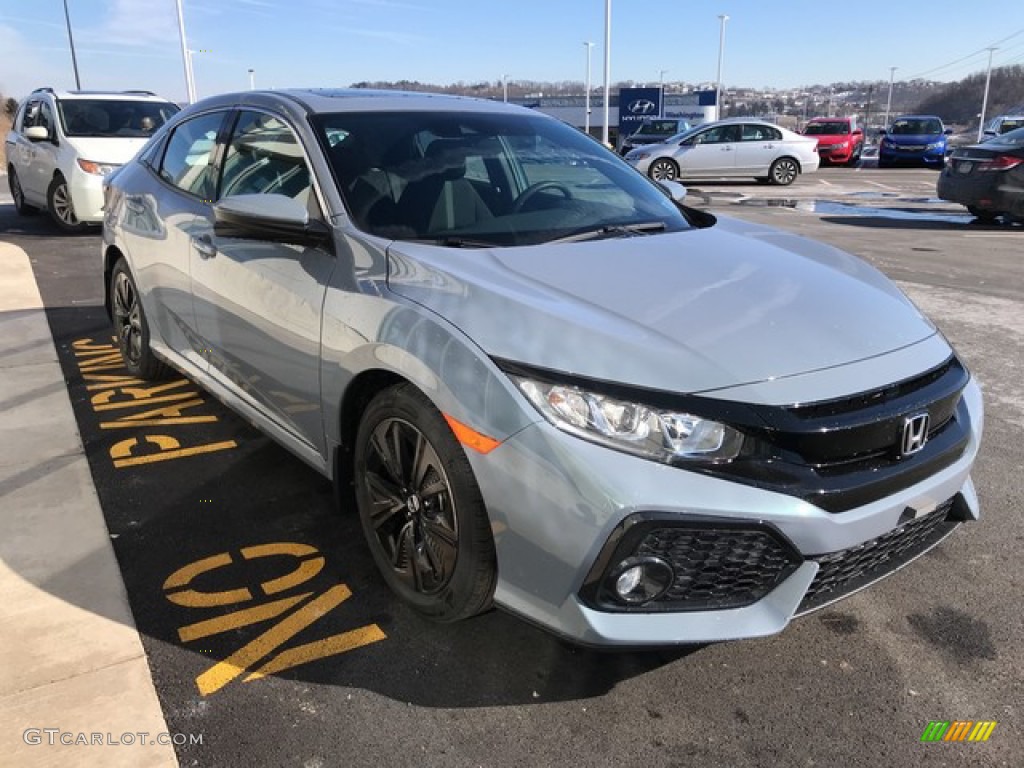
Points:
point(687, 312)
point(114, 151)
point(915, 138)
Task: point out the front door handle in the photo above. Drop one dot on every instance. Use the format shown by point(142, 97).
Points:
point(204, 247)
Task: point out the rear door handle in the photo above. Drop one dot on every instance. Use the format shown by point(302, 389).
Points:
point(204, 247)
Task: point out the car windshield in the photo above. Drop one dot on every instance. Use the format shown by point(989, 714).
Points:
point(113, 118)
point(826, 129)
point(482, 179)
point(1013, 139)
point(912, 126)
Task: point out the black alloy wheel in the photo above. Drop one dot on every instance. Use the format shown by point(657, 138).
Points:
point(421, 509)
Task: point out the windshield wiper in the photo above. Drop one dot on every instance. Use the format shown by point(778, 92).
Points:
point(613, 230)
point(454, 241)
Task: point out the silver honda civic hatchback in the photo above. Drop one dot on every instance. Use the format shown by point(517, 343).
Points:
point(547, 383)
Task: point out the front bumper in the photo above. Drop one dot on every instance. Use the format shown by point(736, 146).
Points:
point(900, 154)
point(556, 502)
point(86, 196)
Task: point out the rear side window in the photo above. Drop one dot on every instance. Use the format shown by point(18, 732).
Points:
point(188, 160)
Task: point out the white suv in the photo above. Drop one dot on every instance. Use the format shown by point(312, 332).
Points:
point(64, 142)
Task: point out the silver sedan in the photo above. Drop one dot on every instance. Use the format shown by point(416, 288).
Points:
point(729, 148)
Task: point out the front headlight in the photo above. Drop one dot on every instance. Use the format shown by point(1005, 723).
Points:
point(97, 169)
point(936, 145)
point(631, 427)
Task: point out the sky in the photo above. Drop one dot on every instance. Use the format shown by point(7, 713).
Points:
point(134, 44)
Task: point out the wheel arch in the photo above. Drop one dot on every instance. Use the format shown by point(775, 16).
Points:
point(111, 255)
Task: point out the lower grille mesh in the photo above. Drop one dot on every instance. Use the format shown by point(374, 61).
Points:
point(840, 573)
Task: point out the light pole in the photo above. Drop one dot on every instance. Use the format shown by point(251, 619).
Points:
point(607, 66)
point(888, 103)
point(504, 88)
point(71, 41)
point(721, 53)
point(661, 92)
point(252, 79)
point(586, 118)
point(984, 99)
point(186, 57)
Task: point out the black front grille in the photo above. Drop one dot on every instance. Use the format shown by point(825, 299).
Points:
point(841, 573)
point(717, 568)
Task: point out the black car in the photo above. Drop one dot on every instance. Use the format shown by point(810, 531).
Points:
point(987, 178)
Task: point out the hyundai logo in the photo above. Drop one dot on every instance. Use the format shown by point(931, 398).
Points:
point(915, 434)
point(642, 107)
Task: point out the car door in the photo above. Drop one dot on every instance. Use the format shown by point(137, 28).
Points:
point(710, 153)
point(34, 161)
point(259, 303)
point(158, 225)
point(758, 147)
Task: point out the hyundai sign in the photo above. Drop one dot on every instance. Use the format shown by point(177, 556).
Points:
point(636, 105)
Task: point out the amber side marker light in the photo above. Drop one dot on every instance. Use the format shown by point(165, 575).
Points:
point(470, 437)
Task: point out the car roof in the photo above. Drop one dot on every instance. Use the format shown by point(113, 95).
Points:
point(327, 100)
point(138, 95)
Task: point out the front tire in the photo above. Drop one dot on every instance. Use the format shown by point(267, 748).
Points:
point(784, 171)
point(983, 216)
point(663, 169)
point(131, 327)
point(62, 210)
point(23, 208)
point(421, 509)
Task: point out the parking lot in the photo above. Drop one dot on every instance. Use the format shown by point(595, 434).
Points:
point(268, 630)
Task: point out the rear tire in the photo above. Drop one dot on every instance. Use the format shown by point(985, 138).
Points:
point(23, 208)
point(663, 169)
point(421, 509)
point(985, 217)
point(62, 209)
point(784, 171)
point(131, 328)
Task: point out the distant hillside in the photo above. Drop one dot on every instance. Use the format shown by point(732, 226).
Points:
point(960, 102)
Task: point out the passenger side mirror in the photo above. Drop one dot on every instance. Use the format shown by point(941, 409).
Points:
point(988, 132)
point(273, 217)
point(882, 132)
point(948, 132)
point(37, 133)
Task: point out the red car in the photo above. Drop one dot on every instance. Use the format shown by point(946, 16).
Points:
point(839, 139)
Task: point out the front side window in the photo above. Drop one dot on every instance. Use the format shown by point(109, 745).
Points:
point(264, 157)
point(486, 179)
point(188, 159)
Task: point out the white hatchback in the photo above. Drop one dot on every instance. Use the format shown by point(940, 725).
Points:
point(64, 143)
point(729, 148)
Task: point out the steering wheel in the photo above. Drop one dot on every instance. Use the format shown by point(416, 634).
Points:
point(530, 192)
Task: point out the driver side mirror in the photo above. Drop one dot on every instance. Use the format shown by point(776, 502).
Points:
point(37, 133)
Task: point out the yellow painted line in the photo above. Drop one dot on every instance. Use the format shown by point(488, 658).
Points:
point(111, 361)
point(106, 406)
point(307, 570)
point(88, 345)
point(172, 454)
point(319, 649)
point(279, 548)
point(223, 672)
point(165, 412)
point(184, 575)
point(105, 381)
point(193, 598)
point(120, 423)
point(239, 618)
point(140, 393)
point(123, 449)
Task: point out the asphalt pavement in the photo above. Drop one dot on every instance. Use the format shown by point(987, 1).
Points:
point(267, 631)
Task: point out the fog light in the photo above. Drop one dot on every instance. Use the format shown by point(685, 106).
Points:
point(640, 580)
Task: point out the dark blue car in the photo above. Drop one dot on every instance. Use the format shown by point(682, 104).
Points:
point(914, 139)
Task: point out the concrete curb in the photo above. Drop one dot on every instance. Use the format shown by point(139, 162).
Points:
point(71, 660)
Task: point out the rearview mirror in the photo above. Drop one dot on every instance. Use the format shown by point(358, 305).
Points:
point(273, 217)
